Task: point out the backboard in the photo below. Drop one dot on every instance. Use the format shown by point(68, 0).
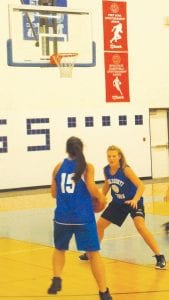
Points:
point(36, 32)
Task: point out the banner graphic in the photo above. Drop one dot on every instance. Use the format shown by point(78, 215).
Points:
point(115, 51)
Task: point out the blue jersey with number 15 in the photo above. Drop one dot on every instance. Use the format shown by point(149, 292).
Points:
point(73, 200)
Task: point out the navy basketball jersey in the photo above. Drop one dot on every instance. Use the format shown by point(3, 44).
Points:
point(122, 188)
point(73, 200)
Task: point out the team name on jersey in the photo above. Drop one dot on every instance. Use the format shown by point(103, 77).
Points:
point(120, 196)
point(116, 181)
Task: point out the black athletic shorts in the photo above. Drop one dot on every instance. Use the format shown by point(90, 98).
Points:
point(117, 213)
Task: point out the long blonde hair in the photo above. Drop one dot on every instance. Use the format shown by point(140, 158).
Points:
point(123, 162)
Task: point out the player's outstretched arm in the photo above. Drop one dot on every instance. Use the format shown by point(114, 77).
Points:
point(139, 185)
point(90, 183)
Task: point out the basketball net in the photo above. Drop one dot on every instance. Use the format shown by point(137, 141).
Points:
point(65, 63)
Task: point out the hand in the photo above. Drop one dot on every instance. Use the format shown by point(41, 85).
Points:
point(99, 203)
point(132, 203)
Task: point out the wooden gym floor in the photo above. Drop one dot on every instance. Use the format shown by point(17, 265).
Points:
point(26, 250)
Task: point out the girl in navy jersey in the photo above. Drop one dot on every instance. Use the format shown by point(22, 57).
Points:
point(72, 186)
point(126, 191)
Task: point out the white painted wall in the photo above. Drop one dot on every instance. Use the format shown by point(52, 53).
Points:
point(148, 40)
point(39, 92)
point(21, 168)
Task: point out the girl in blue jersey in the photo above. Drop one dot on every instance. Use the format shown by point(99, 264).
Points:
point(72, 186)
point(126, 191)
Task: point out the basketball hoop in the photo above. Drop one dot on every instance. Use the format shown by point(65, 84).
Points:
point(65, 62)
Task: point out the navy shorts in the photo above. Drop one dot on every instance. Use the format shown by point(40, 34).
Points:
point(86, 236)
point(117, 213)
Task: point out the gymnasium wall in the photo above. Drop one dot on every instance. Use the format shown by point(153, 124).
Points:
point(39, 110)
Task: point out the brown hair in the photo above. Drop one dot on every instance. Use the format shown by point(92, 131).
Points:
point(74, 147)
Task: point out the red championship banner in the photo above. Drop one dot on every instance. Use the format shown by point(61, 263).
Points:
point(115, 26)
point(116, 74)
point(115, 51)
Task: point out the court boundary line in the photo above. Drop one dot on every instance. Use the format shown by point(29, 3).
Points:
point(87, 295)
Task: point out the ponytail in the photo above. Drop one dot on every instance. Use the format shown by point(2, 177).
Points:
point(74, 148)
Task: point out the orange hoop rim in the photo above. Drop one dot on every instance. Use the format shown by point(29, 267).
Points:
point(66, 54)
point(57, 57)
